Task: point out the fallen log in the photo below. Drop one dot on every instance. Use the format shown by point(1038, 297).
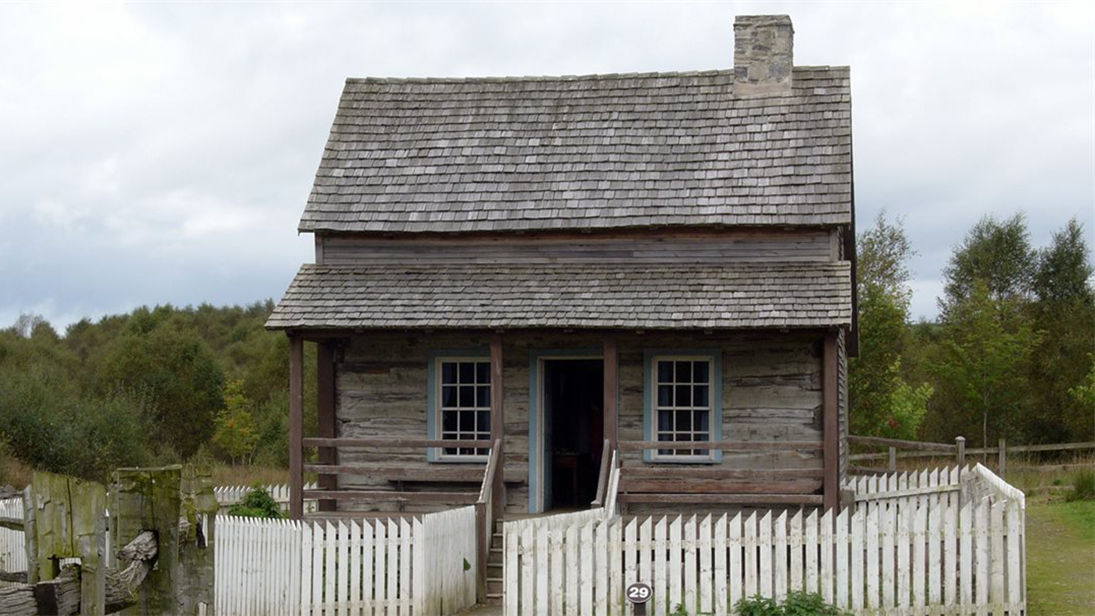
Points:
point(122, 586)
point(19, 577)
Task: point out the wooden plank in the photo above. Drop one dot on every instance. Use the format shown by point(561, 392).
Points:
point(632, 552)
point(688, 544)
point(997, 563)
point(810, 560)
point(616, 574)
point(611, 390)
point(831, 420)
point(325, 416)
point(1014, 525)
point(734, 563)
point(764, 549)
point(543, 554)
point(464, 498)
point(965, 550)
point(646, 540)
point(394, 443)
point(749, 553)
point(689, 472)
point(919, 556)
point(724, 499)
point(692, 485)
point(856, 537)
point(719, 547)
point(573, 572)
point(873, 577)
point(600, 568)
point(826, 571)
point(875, 441)
point(661, 545)
point(703, 546)
point(744, 446)
point(842, 574)
point(405, 555)
point(511, 570)
point(497, 424)
point(888, 515)
point(296, 426)
point(557, 558)
point(392, 549)
point(779, 560)
point(924, 491)
point(675, 553)
point(586, 578)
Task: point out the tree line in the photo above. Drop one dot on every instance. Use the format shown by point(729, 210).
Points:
point(155, 386)
point(1010, 355)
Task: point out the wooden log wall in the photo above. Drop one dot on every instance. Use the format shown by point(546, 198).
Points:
point(737, 245)
point(771, 392)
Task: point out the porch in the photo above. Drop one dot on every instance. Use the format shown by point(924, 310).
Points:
point(772, 435)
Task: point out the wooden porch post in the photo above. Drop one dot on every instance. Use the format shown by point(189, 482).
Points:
point(611, 388)
point(325, 411)
point(296, 426)
point(830, 422)
point(497, 423)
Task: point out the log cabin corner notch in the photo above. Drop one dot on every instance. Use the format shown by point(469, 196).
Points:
point(544, 269)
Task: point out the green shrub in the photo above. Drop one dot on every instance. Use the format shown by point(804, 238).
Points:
point(256, 504)
point(796, 603)
point(1083, 487)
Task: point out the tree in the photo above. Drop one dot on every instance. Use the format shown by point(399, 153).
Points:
point(235, 431)
point(1064, 272)
point(981, 367)
point(882, 403)
point(996, 253)
point(174, 369)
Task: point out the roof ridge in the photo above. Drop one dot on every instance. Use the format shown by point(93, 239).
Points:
point(582, 77)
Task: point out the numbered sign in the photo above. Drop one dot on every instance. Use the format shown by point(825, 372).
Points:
point(639, 593)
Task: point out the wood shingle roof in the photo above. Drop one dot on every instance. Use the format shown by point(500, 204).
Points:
point(591, 152)
point(811, 294)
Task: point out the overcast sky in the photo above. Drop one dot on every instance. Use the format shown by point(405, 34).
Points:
point(160, 152)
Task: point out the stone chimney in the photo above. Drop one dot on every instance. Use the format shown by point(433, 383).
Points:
point(763, 55)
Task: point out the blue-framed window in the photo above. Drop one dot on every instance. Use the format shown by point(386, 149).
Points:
point(683, 402)
point(459, 404)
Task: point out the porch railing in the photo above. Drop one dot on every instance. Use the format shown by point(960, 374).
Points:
point(703, 484)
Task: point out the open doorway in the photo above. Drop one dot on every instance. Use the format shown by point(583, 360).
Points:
point(574, 418)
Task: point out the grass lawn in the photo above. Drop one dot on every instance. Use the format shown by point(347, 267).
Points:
point(1060, 557)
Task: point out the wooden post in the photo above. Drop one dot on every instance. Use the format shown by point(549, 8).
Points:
point(611, 378)
point(893, 459)
point(325, 416)
point(296, 426)
point(1003, 468)
point(150, 499)
point(830, 422)
point(960, 443)
point(497, 429)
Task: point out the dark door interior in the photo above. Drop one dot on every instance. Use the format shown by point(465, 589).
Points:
point(573, 399)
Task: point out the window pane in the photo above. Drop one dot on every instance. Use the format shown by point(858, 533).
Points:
point(467, 395)
point(684, 395)
point(484, 422)
point(467, 421)
point(482, 398)
point(702, 422)
point(684, 372)
point(467, 373)
point(665, 421)
point(684, 421)
point(665, 372)
point(482, 372)
point(700, 372)
point(448, 372)
point(448, 422)
point(665, 395)
point(699, 395)
point(448, 396)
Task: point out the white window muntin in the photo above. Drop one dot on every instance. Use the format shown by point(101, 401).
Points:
point(682, 404)
point(463, 408)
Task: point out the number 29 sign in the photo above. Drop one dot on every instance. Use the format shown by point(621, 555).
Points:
point(638, 594)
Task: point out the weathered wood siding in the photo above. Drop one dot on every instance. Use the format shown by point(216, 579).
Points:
point(693, 247)
point(771, 392)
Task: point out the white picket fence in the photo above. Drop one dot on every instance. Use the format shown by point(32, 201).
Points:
point(425, 565)
point(13, 554)
point(915, 543)
point(230, 495)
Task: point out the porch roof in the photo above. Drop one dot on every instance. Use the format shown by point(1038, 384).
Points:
point(567, 295)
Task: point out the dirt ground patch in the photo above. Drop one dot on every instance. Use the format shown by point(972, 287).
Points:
point(1060, 558)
